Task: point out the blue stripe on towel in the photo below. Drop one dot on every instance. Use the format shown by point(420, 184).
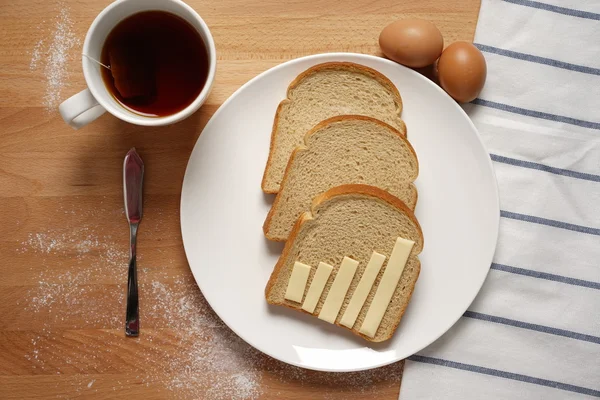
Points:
point(550, 222)
point(533, 327)
point(560, 10)
point(545, 168)
point(536, 114)
point(505, 374)
point(537, 59)
point(545, 275)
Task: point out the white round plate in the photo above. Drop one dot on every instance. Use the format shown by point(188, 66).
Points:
point(223, 210)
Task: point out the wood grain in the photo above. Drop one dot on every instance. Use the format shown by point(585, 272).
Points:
point(63, 235)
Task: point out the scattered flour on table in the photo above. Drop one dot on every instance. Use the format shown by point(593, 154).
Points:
point(96, 256)
point(36, 54)
point(186, 350)
point(53, 53)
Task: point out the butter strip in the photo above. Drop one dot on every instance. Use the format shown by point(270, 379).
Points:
point(297, 282)
point(316, 287)
point(339, 288)
point(387, 286)
point(362, 290)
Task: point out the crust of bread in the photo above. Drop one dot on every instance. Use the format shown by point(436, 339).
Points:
point(320, 125)
point(317, 68)
point(351, 189)
point(371, 191)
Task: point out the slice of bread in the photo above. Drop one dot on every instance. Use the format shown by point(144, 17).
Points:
point(353, 221)
point(343, 150)
point(321, 92)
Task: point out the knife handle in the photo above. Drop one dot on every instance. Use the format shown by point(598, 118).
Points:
point(132, 319)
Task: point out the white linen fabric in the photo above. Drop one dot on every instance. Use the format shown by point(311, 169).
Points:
point(533, 332)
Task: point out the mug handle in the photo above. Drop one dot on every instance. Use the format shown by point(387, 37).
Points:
point(80, 109)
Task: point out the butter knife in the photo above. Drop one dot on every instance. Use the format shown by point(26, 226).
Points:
point(133, 177)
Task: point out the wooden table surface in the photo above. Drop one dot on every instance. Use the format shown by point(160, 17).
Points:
point(63, 234)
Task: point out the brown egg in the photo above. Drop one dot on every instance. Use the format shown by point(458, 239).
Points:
point(462, 71)
point(412, 42)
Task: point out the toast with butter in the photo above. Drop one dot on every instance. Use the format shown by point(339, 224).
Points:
point(351, 221)
point(343, 150)
point(321, 92)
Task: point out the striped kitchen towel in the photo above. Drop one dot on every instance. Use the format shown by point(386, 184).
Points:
point(533, 331)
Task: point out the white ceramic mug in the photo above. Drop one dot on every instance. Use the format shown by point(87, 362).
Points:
point(87, 105)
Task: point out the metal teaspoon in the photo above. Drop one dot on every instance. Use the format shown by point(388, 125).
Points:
point(133, 177)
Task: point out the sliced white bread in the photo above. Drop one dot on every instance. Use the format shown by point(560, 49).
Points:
point(343, 150)
point(352, 221)
point(321, 92)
